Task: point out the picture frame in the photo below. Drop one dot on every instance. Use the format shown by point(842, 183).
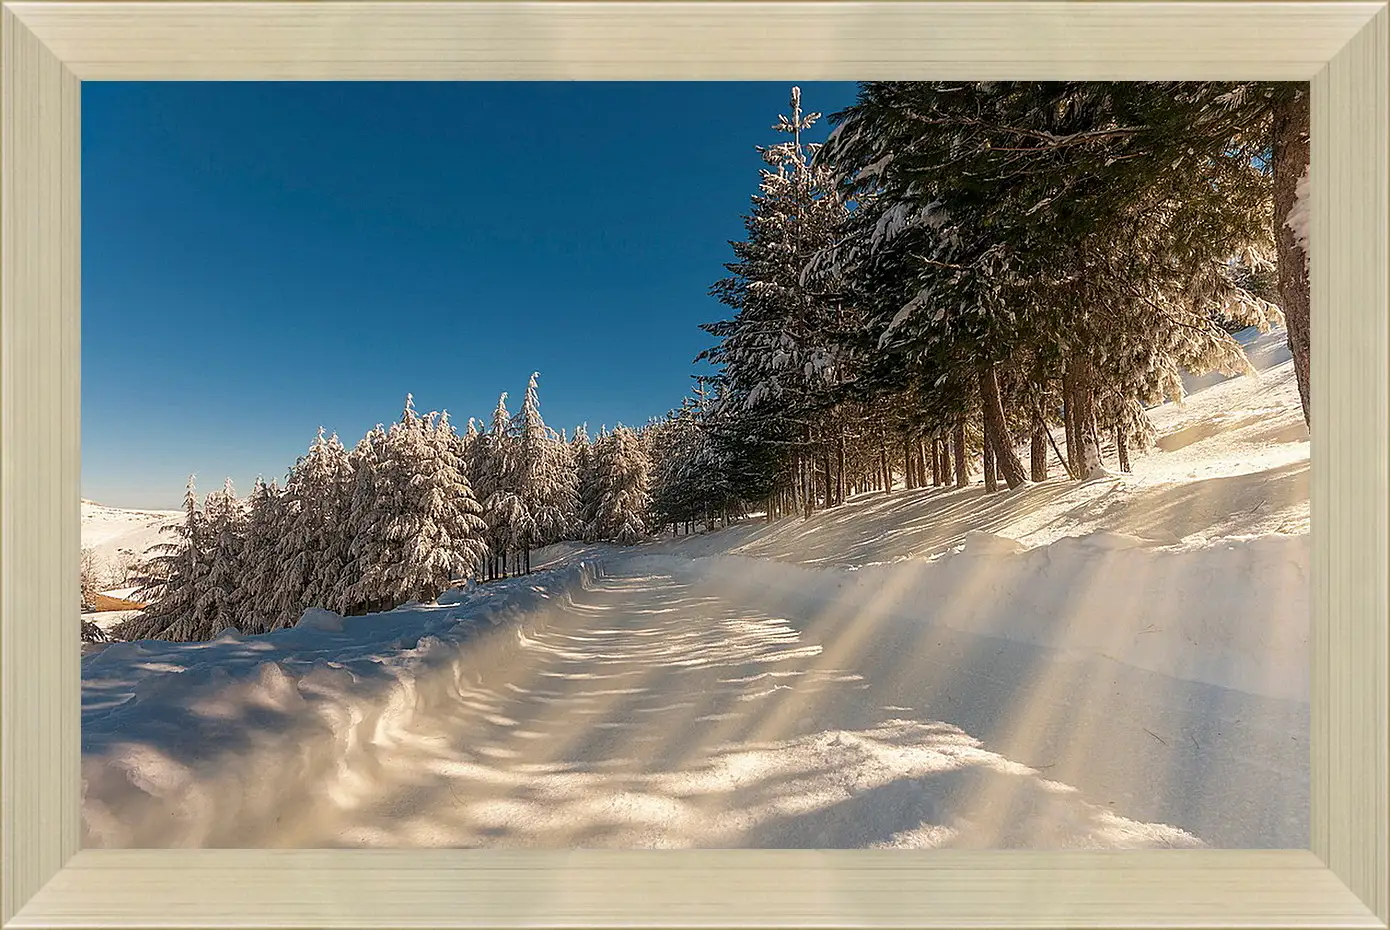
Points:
point(49, 48)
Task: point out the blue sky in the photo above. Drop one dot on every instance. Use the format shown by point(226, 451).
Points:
point(260, 259)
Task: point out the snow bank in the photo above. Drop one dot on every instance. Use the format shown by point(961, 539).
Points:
point(209, 744)
point(1234, 613)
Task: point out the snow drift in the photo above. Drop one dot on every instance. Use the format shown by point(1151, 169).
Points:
point(211, 744)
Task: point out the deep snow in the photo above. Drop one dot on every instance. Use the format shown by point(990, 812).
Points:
point(1116, 663)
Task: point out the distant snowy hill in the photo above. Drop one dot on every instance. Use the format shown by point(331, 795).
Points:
point(119, 537)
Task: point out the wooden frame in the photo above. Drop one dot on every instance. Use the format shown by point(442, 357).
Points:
point(50, 47)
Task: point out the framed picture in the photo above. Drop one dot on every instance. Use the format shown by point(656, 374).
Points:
point(1343, 878)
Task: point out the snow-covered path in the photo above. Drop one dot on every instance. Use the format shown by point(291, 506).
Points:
point(656, 708)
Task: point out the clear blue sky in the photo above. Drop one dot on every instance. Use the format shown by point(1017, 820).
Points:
point(260, 259)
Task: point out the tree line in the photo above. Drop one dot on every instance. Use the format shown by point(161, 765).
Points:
point(411, 510)
point(963, 268)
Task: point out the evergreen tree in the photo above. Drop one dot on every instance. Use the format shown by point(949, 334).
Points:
point(621, 468)
point(371, 504)
point(504, 511)
point(418, 524)
point(781, 365)
point(543, 477)
point(312, 546)
point(334, 480)
point(169, 580)
point(261, 565)
point(219, 603)
point(586, 482)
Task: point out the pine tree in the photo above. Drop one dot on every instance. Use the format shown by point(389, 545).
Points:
point(261, 565)
point(370, 505)
point(442, 532)
point(168, 582)
point(335, 483)
point(417, 523)
point(504, 511)
point(312, 545)
point(781, 365)
point(586, 482)
point(542, 476)
point(621, 467)
point(219, 601)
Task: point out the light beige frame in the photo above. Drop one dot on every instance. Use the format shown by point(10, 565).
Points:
point(49, 47)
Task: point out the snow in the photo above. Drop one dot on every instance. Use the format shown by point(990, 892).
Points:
point(216, 743)
point(119, 537)
point(1119, 662)
point(1298, 219)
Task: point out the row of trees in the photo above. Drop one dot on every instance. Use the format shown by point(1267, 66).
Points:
point(964, 267)
point(413, 509)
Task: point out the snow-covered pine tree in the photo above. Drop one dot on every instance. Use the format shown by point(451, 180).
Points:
point(219, 604)
point(586, 482)
point(693, 470)
point(542, 477)
point(378, 553)
point(312, 544)
point(448, 501)
point(419, 524)
point(335, 481)
point(622, 469)
point(261, 565)
point(504, 511)
point(441, 530)
point(370, 506)
point(567, 469)
point(169, 580)
point(779, 360)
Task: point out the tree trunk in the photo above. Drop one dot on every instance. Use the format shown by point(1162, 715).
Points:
point(936, 466)
point(996, 432)
point(1038, 451)
point(884, 481)
point(1069, 427)
point(1122, 450)
point(1290, 159)
point(840, 468)
point(908, 478)
point(1082, 407)
point(960, 442)
point(987, 456)
point(826, 461)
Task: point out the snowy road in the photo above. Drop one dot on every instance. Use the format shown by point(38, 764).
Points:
point(657, 709)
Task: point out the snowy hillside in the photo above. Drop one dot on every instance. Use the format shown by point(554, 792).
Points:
point(1116, 663)
point(119, 537)
point(1232, 460)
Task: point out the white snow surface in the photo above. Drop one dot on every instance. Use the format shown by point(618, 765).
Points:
point(1121, 662)
point(119, 537)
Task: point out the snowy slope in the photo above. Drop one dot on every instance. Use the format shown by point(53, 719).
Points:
point(1233, 460)
point(119, 537)
point(1118, 663)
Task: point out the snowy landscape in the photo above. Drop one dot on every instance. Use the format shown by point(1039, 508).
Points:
point(960, 546)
